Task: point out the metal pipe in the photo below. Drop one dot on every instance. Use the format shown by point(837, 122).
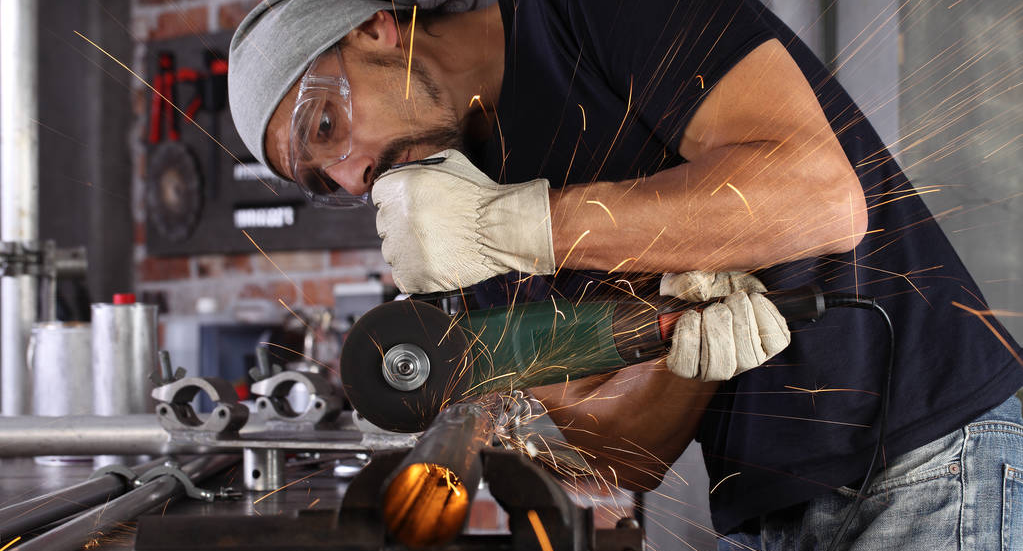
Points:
point(91, 527)
point(428, 497)
point(19, 191)
point(86, 435)
point(45, 509)
point(264, 469)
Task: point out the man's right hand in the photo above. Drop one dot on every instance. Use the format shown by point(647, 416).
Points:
point(727, 338)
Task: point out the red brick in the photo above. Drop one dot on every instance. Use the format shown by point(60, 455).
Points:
point(356, 257)
point(180, 22)
point(289, 261)
point(163, 269)
point(230, 15)
point(276, 290)
point(320, 292)
point(216, 265)
point(140, 233)
point(240, 263)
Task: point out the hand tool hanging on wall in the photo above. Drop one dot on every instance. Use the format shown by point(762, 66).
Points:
point(174, 194)
point(404, 361)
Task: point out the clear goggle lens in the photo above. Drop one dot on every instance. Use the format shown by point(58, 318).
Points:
point(321, 132)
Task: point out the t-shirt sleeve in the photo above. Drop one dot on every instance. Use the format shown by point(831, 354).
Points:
point(669, 53)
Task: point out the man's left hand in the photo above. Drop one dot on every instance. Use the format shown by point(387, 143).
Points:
point(446, 226)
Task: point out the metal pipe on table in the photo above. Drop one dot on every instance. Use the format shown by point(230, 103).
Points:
point(87, 435)
point(428, 497)
point(19, 192)
point(92, 525)
point(45, 509)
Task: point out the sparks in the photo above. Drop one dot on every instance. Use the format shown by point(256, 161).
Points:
point(570, 249)
point(541, 533)
point(411, 41)
point(288, 308)
point(701, 81)
point(171, 103)
point(607, 210)
point(283, 487)
point(12, 542)
point(584, 115)
point(722, 480)
point(270, 260)
point(476, 98)
point(622, 263)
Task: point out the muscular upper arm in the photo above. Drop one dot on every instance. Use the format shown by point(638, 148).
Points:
point(764, 97)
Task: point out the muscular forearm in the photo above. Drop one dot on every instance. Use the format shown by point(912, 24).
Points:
point(632, 424)
point(739, 207)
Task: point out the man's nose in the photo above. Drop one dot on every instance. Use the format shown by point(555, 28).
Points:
point(353, 174)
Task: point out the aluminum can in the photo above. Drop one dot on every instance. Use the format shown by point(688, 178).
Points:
point(59, 355)
point(123, 357)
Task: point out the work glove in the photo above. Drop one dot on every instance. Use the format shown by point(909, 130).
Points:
point(448, 225)
point(727, 338)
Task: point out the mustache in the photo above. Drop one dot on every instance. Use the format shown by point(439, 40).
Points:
point(438, 139)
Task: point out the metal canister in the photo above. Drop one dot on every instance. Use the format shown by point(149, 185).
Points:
point(123, 357)
point(60, 358)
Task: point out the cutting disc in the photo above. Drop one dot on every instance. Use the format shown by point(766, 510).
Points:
point(381, 329)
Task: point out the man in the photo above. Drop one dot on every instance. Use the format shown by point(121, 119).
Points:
point(681, 138)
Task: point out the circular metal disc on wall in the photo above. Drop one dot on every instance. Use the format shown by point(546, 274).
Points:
point(174, 191)
point(390, 325)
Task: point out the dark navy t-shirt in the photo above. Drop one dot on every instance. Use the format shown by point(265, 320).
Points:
point(603, 90)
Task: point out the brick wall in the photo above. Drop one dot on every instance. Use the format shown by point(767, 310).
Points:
point(308, 276)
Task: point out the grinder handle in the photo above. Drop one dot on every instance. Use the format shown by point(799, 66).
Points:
point(799, 304)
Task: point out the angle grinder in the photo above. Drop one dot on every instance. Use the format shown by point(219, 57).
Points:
point(403, 361)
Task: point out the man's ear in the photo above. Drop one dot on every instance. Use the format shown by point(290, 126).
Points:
point(380, 31)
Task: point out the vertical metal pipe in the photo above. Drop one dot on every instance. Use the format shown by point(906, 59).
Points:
point(19, 191)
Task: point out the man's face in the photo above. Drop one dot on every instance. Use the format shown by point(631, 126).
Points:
point(386, 128)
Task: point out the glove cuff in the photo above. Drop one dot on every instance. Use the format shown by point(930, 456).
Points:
point(515, 228)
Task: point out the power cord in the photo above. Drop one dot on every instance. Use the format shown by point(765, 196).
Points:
point(844, 300)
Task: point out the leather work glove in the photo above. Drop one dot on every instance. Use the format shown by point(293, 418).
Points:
point(448, 225)
point(727, 338)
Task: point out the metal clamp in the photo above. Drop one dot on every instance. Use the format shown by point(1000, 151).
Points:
point(131, 478)
point(273, 404)
point(175, 412)
point(170, 469)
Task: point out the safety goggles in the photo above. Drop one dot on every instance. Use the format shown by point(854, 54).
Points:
point(321, 131)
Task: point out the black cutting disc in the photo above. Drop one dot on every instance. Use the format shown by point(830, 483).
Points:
point(391, 324)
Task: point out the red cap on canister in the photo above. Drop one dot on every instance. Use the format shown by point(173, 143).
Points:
point(124, 298)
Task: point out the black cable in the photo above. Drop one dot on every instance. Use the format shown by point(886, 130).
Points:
point(842, 300)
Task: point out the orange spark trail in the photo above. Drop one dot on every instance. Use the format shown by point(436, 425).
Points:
point(293, 313)
point(983, 319)
point(411, 41)
point(270, 260)
point(17, 539)
point(622, 263)
point(572, 248)
point(283, 487)
point(722, 480)
point(607, 210)
point(323, 365)
point(171, 103)
point(541, 533)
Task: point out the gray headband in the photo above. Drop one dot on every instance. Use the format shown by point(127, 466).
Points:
point(272, 47)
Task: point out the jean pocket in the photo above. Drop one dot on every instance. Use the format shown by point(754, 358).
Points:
point(1012, 509)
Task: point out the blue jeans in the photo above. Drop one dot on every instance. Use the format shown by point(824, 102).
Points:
point(961, 491)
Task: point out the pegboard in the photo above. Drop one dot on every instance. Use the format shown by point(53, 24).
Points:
point(209, 192)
